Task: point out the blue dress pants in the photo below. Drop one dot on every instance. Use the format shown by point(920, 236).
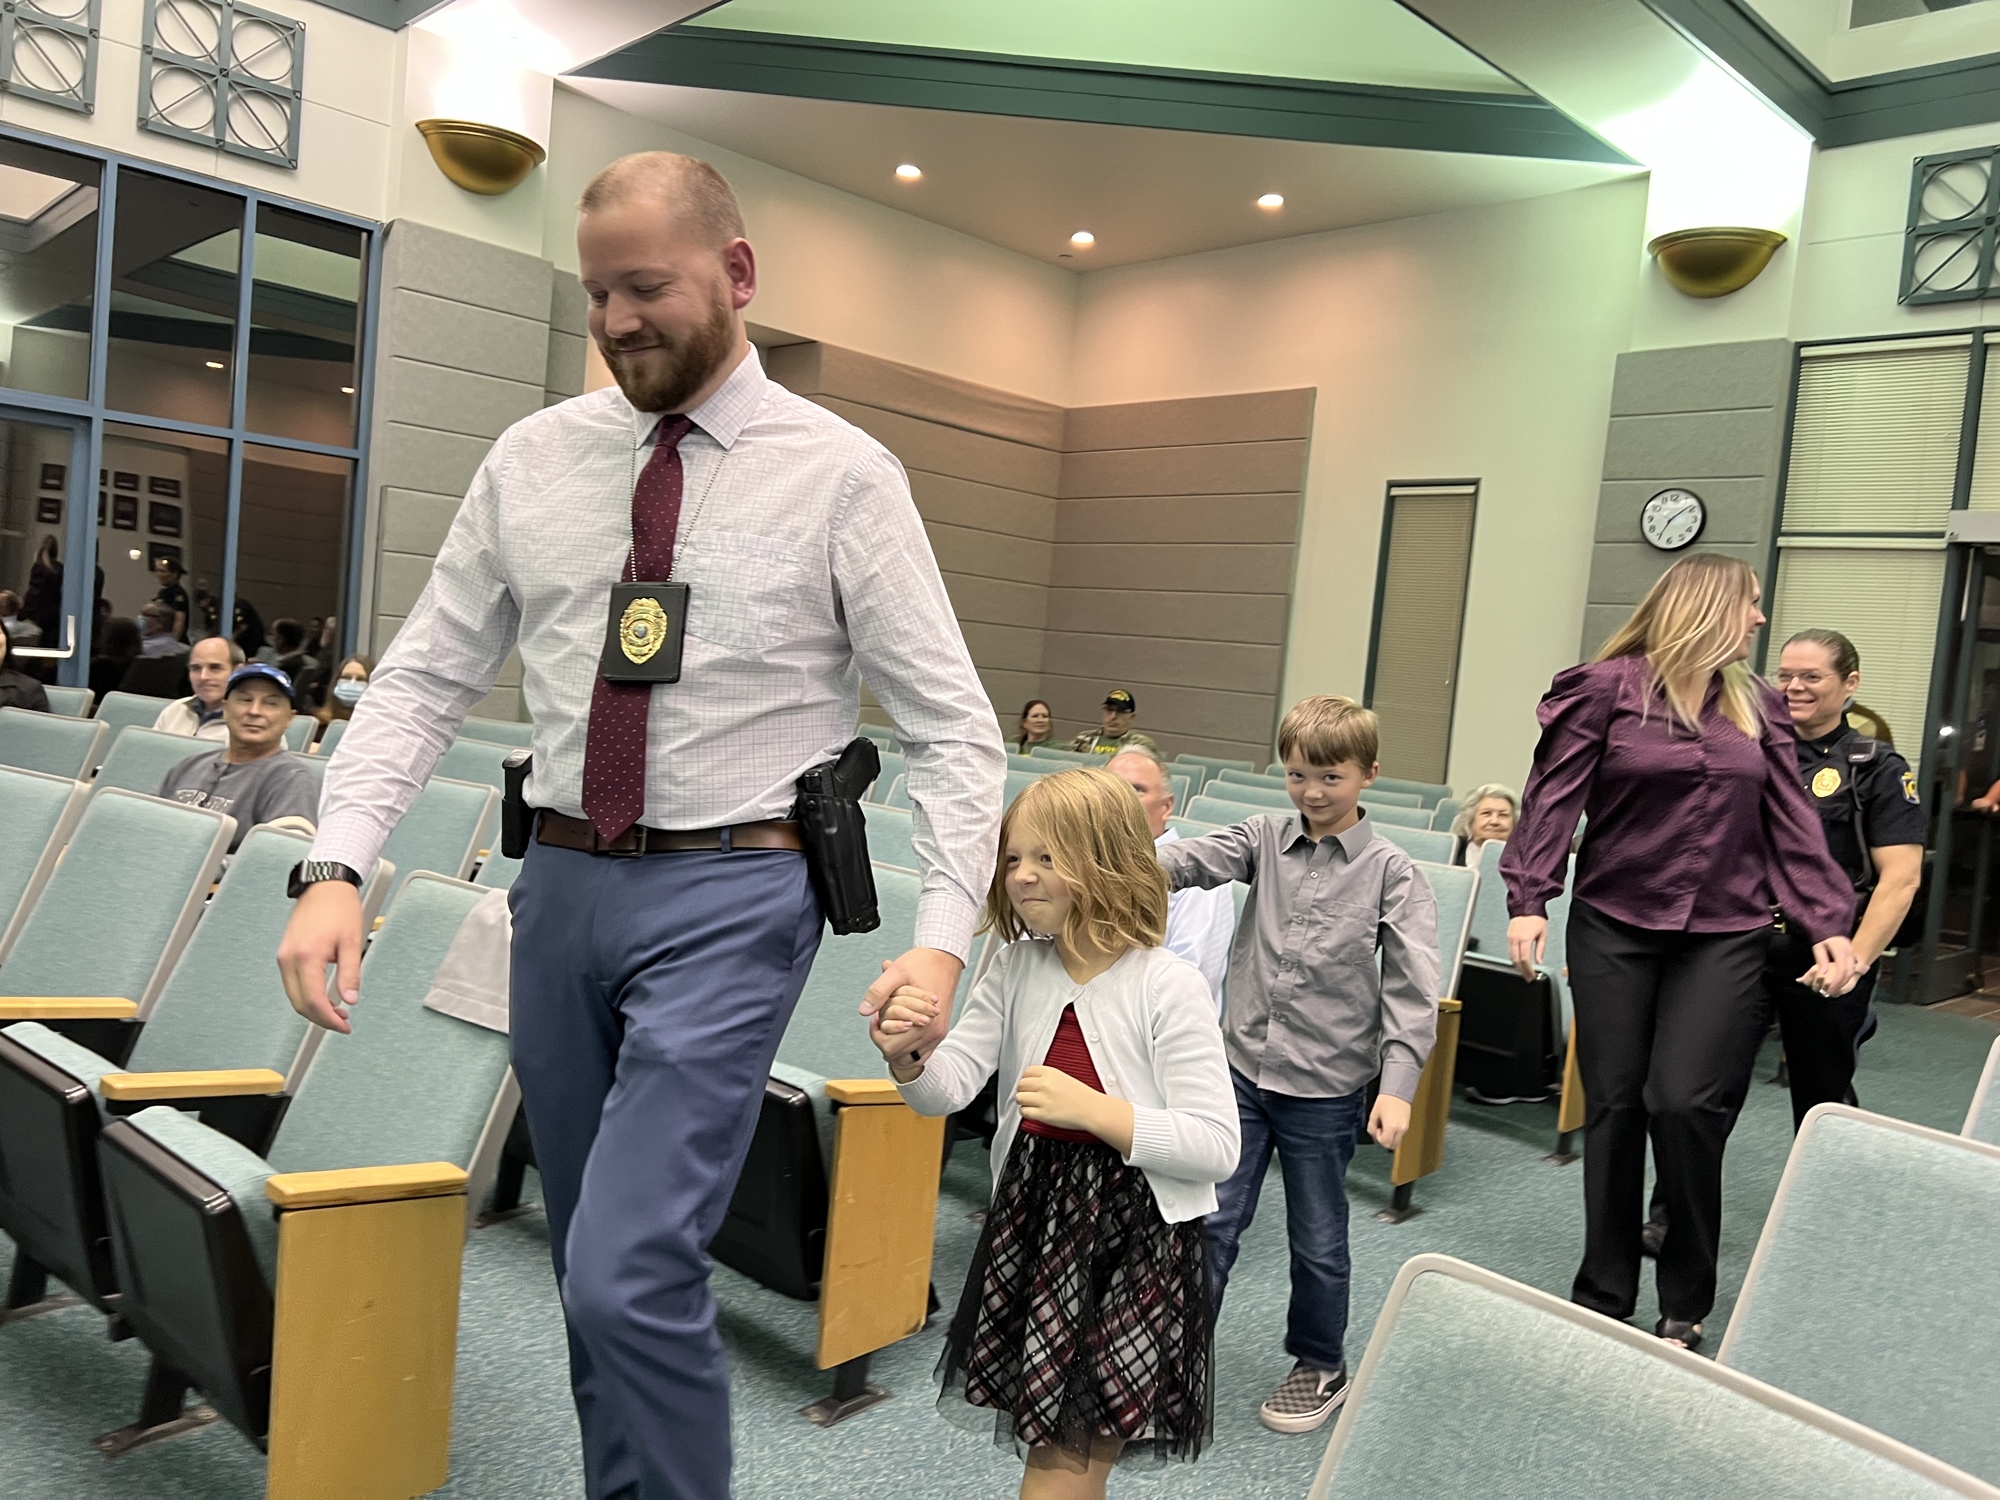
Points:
point(1315, 1140)
point(649, 995)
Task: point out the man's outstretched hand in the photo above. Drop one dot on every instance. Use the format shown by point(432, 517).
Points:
point(931, 971)
point(325, 929)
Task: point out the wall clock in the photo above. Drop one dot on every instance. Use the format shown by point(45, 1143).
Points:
point(1673, 519)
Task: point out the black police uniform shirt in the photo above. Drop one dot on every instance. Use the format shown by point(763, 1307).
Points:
point(1886, 788)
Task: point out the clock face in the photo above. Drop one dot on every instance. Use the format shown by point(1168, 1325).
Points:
point(1672, 519)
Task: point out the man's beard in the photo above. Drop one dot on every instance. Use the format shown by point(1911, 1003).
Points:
point(687, 365)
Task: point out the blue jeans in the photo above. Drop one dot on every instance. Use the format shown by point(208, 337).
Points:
point(1315, 1140)
point(649, 996)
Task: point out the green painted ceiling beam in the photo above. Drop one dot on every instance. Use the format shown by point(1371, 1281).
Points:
point(1107, 94)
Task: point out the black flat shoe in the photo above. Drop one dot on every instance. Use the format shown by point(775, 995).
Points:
point(1676, 1331)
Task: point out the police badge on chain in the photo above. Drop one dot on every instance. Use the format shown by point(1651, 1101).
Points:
point(642, 637)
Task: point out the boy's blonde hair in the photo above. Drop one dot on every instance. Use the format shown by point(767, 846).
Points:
point(1687, 627)
point(1330, 731)
point(1101, 849)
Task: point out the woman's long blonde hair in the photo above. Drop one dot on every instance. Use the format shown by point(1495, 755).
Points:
point(1101, 849)
point(1688, 626)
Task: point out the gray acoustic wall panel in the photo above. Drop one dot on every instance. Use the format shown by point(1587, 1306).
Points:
point(1709, 418)
point(466, 349)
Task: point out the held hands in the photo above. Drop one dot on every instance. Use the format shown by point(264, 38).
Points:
point(325, 929)
point(1389, 1120)
point(1527, 942)
point(894, 1028)
point(1837, 971)
point(933, 974)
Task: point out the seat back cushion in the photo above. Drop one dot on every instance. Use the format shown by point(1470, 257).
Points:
point(234, 1168)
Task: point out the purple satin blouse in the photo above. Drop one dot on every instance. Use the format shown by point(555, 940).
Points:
point(1687, 833)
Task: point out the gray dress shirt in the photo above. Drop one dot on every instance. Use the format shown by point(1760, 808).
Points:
point(1309, 1011)
point(808, 568)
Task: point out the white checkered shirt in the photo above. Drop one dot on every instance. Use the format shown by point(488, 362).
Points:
point(807, 568)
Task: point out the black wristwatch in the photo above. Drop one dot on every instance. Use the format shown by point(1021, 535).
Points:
point(312, 871)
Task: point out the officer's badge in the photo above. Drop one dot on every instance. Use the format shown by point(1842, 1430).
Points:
point(1825, 782)
point(1910, 787)
point(643, 630)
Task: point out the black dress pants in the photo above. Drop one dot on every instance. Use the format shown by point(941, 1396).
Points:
point(1666, 1033)
point(1822, 1033)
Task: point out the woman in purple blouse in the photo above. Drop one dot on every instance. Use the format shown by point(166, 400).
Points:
point(1698, 827)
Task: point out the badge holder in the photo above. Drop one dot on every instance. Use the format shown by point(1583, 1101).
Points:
point(643, 636)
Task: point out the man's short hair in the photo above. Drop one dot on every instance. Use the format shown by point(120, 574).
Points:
point(236, 656)
point(685, 183)
point(1149, 753)
point(1330, 731)
point(158, 613)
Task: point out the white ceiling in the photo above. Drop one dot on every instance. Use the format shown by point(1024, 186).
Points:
point(1145, 194)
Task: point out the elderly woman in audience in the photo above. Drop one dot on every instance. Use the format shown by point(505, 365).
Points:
point(1036, 723)
point(18, 689)
point(1488, 816)
point(1699, 826)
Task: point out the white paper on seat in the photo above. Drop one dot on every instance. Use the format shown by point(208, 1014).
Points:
point(472, 982)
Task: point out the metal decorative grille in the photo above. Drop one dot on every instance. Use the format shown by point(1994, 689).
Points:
point(48, 51)
point(224, 74)
point(1949, 242)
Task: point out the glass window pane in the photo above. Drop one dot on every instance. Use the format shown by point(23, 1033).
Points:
point(48, 267)
point(34, 509)
point(291, 561)
point(305, 312)
point(161, 495)
point(173, 299)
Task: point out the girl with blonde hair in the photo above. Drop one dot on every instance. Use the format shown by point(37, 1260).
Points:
point(1687, 768)
point(1083, 1333)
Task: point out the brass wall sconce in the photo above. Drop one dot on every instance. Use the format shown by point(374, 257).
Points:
point(1714, 262)
point(482, 159)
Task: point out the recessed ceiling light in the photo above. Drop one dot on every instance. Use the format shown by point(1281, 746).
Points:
point(213, 364)
point(1271, 200)
point(908, 173)
point(1083, 238)
point(347, 390)
point(133, 554)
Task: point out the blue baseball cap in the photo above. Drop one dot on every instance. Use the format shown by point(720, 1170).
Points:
point(255, 669)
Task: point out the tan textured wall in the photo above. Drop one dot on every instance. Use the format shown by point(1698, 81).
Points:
point(1148, 546)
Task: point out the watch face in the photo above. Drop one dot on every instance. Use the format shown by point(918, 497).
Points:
point(1672, 519)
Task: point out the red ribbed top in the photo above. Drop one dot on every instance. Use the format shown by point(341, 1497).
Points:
point(1068, 1054)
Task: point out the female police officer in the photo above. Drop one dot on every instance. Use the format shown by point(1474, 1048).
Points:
point(1867, 798)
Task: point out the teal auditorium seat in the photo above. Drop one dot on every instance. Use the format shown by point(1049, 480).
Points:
point(1444, 813)
point(891, 837)
point(97, 930)
point(1454, 887)
point(1870, 1289)
point(1191, 828)
point(514, 732)
point(899, 794)
point(1219, 814)
point(441, 831)
point(1419, 843)
point(497, 872)
point(119, 709)
point(1251, 794)
point(1477, 1385)
point(197, 1253)
point(881, 734)
point(1038, 764)
point(37, 814)
point(1428, 793)
point(1231, 783)
point(50, 743)
point(1982, 1120)
point(1213, 765)
point(329, 737)
point(139, 759)
point(1388, 814)
point(1376, 796)
point(72, 701)
point(1071, 757)
point(299, 733)
point(217, 1011)
point(474, 760)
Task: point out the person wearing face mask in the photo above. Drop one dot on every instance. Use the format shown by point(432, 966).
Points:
point(349, 683)
point(1687, 768)
point(1488, 815)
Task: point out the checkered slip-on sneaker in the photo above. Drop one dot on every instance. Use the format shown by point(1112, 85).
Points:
point(1306, 1399)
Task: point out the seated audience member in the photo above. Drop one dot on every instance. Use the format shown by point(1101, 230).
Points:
point(289, 648)
point(1488, 815)
point(161, 668)
point(18, 689)
point(349, 683)
point(113, 650)
point(1200, 922)
point(1117, 732)
point(250, 777)
point(247, 629)
point(1035, 722)
point(200, 713)
point(156, 631)
point(17, 627)
point(173, 593)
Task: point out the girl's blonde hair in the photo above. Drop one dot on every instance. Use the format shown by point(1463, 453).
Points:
point(1687, 627)
point(1100, 848)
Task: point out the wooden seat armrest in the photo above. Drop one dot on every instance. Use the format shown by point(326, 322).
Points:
point(863, 1091)
point(1448, 1005)
point(65, 1008)
point(346, 1185)
point(214, 1084)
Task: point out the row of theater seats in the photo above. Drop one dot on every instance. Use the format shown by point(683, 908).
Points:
point(1862, 1356)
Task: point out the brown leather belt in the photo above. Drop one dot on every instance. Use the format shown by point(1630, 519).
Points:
point(580, 833)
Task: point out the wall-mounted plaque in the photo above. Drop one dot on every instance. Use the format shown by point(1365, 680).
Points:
point(163, 519)
point(125, 512)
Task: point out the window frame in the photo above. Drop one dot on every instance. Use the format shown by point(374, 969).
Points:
point(93, 412)
point(1394, 490)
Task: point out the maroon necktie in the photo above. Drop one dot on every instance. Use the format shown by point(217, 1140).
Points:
point(614, 753)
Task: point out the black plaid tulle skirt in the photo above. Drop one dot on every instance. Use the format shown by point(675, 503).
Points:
point(1085, 1316)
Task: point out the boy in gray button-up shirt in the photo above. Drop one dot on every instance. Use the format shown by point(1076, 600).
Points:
point(1310, 1020)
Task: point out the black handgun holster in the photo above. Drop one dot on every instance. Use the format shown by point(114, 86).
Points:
point(835, 834)
point(517, 819)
